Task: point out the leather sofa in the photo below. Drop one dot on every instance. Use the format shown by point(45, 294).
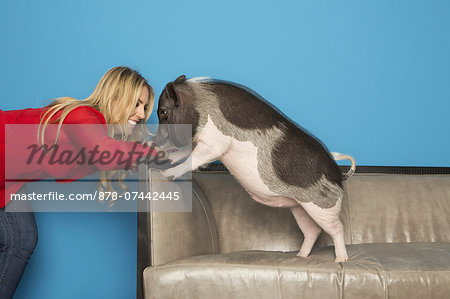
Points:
point(397, 231)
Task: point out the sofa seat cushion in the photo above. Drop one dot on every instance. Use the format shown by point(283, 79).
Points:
point(394, 270)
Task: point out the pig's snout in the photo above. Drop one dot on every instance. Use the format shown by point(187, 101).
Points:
point(173, 136)
point(160, 138)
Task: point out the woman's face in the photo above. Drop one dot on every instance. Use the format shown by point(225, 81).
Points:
point(139, 111)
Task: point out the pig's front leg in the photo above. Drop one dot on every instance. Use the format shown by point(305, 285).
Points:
point(203, 153)
point(179, 155)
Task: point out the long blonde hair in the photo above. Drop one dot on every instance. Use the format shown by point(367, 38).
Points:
point(115, 96)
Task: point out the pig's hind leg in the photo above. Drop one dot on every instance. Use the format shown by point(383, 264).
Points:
point(328, 220)
point(309, 228)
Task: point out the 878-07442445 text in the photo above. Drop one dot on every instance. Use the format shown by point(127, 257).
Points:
point(98, 195)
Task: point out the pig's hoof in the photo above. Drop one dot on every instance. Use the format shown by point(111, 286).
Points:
point(168, 174)
point(340, 259)
point(302, 254)
point(175, 157)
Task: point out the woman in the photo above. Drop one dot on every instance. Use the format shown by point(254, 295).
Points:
point(122, 98)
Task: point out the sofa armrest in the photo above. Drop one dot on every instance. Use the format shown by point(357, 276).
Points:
point(175, 235)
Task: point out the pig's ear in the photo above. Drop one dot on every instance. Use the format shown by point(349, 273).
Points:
point(173, 94)
point(180, 79)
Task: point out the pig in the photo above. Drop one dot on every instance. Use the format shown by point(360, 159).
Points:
point(275, 160)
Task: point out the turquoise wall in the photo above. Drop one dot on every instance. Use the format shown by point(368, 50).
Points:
point(369, 78)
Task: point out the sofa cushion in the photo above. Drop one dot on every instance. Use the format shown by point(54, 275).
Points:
point(394, 270)
point(399, 208)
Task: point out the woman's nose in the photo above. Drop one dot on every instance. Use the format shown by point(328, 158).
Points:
point(140, 113)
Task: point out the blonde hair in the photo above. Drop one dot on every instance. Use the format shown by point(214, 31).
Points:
point(115, 96)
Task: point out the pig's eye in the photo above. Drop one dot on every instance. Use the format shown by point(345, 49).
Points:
point(162, 113)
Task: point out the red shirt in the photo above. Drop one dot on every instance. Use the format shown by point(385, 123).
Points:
point(84, 130)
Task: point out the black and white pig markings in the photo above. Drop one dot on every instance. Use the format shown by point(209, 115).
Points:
point(277, 162)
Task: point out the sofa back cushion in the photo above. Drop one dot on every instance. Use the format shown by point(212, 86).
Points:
point(375, 209)
point(399, 208)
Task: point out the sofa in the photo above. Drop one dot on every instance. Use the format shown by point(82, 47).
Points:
point(397, 231)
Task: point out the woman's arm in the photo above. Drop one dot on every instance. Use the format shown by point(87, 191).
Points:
point(86, 129)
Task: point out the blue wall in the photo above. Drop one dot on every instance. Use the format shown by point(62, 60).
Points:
point(369, 78)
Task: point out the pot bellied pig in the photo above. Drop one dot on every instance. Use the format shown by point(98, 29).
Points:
point(276, 161)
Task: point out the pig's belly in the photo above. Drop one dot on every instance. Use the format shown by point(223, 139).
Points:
point(241, 161)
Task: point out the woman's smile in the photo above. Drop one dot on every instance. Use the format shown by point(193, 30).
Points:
point(139, 111)
point(132, 123)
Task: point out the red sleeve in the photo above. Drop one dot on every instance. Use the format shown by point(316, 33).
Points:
point(85, 115)
point(86, 128)
point(2, 160)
